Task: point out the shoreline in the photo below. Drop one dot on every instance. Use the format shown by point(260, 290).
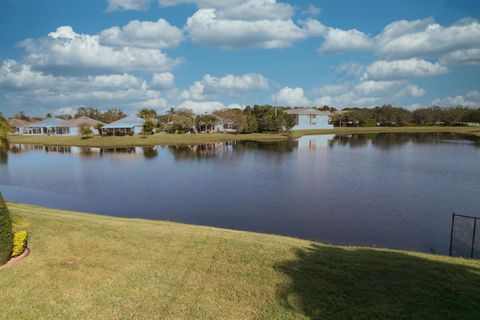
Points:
point(192, 139)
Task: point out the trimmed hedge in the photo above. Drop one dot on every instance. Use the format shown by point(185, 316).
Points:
point(20, 241)
point(6, 234)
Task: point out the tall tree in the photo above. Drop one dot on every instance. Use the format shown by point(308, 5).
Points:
point(21, 115)
point(113, 114)
point(89, 112)
point(4, 131)
point(232, 117)
point(251, 124)
point(147, 114)
point(6, 233)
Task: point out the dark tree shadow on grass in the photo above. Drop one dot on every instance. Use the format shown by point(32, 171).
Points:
point(335, 283)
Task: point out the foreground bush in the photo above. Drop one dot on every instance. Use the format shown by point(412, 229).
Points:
point(20, 241)
point(6, 236)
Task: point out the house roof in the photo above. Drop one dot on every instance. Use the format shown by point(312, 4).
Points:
point(128, 122)
point(17, 123)
point(308, 112)
point(83, 121)
point(50, 122)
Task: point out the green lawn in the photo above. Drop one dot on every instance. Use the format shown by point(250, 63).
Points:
point(93, 267)
point(417, 129)
point(179, 139)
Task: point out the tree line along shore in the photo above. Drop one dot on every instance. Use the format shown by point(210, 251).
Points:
point(192, 139)
point(258, 123)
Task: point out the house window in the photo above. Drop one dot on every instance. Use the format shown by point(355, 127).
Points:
point(313, 119)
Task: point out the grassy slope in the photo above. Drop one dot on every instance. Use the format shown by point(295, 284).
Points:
point(93, 267)
point(163, 138)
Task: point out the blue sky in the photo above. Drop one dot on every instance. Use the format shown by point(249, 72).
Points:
point(57, 55)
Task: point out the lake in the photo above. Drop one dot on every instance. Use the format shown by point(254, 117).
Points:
point(385, 190)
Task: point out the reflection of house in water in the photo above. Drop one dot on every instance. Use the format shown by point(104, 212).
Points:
point(124, 153)
point(315, 142)
point(19, 148)
point(199, 151)
point(121, 153)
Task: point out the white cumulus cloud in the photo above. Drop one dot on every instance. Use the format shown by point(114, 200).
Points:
point(407, 68)
point(338, 40)
point(114, 5)
point(229, 84)
point(206, 28)
point(28, 87)
point(143, 34)
point(292, 97)
point(472, 99)
point(162, 80)
point(403, 38)
point(65, 51)
point(201, 107)
point(368, 93)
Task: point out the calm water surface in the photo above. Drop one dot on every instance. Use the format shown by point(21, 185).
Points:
point(386, 190)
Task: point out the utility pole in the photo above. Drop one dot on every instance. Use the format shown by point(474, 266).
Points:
point(276, 108)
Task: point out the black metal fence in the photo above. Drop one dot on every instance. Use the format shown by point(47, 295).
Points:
point(464, 237)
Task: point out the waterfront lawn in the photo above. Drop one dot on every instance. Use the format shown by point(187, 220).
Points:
point(187, 139)
point(413, 129)
point(94, 267)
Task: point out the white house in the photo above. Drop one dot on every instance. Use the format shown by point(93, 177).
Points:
point(127, 126)
point(224, 126)
point(17, 125)
point(47, 127)
point(58, 127)
point(307, 119)
point(76, 124)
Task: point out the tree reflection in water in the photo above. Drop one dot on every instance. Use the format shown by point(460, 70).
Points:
point(3, 157)
point(391, 140)
point(225, 151)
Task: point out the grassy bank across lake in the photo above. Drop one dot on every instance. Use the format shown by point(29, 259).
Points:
point(184, 139)
point(85, 266)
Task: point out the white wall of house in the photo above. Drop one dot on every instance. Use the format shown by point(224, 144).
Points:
point(309, 122)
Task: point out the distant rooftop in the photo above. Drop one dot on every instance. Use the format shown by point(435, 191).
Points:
point(128, 122)
point(308, 112)
point(50, 122)
point(17, 123)
point(83, 120)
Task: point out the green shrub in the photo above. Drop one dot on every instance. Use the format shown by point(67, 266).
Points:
point(20, 241)
point(6, 236)
point(85, 132)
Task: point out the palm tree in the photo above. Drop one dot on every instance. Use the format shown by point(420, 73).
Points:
point(171, 112)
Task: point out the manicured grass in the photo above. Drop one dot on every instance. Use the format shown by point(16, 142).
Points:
point(417, 129)
point(94, 267)
point(179, 139)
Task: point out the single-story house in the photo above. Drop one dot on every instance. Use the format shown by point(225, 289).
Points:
point(58, 127)
point(16, 125)
point(225, 125)
point(85, 122)
point(130, 125)
point(307, 119)
point(50, 126)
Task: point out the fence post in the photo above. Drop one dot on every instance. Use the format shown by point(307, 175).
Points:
point(451, 234)
point(473, 238)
